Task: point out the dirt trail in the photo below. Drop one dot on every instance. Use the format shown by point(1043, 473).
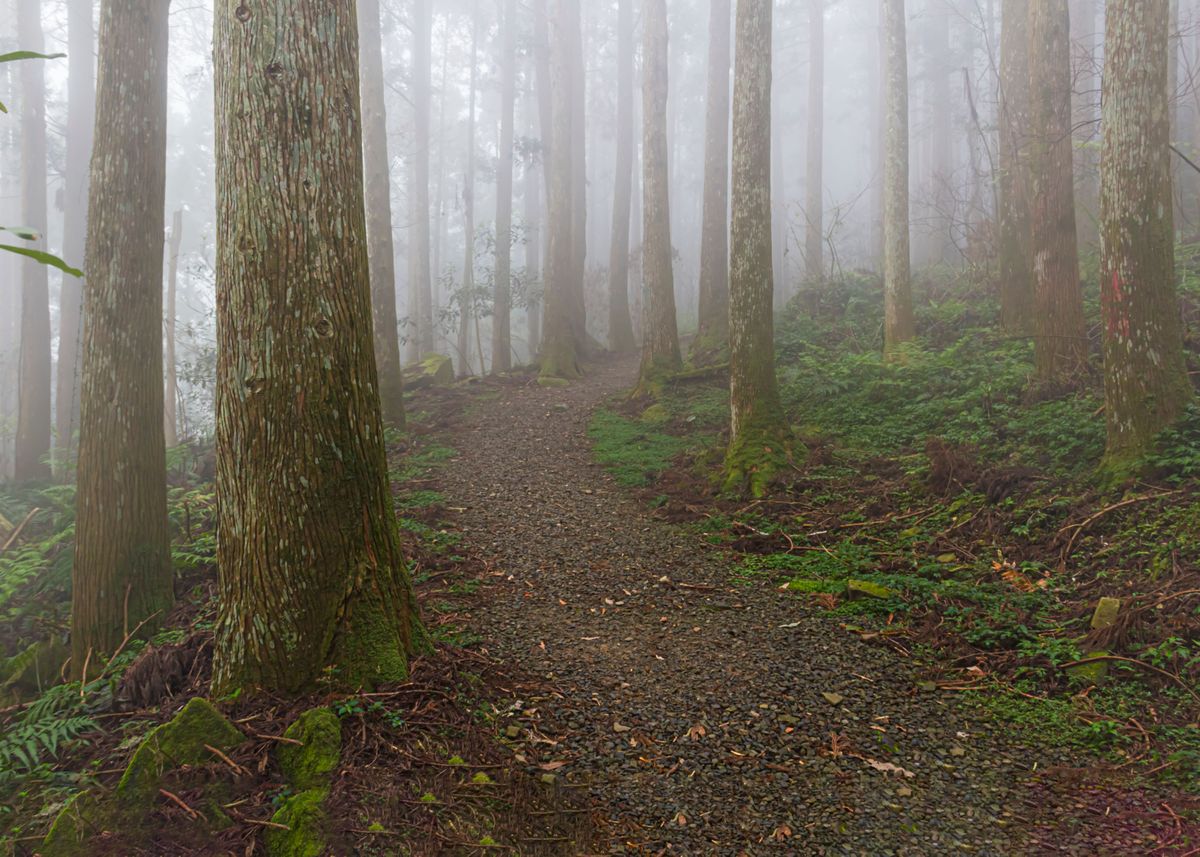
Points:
point(701, 715)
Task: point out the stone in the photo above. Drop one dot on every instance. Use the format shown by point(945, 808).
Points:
point(1091, 669)
point(311, 764)
point(867, 589)
point(1105, 615)
point(434, 370)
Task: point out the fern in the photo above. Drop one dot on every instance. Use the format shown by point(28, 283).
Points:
point(41, 732)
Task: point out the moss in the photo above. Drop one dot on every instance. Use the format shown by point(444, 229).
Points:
point(760, 451)
point(656, 415)
point(865, 588)
point(311, 764)
point(174, 744)
point(552, 381)
point(304, 817)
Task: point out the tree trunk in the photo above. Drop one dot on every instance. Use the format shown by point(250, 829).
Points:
point(578, 172)
point(533, 240)
point(814, 238)
point(33, 411)
point(312, 577)
point(899, 325)
point(713, 334)
point(620, 326)
point(502, 293)
point(1060, 338)
point(1015, 182)
point(422, 287)
point(171, 393)
point(466, 303)
point(378, 184)
point(660, 348)
point(81, 119)
point(122, 572)
point(1145, 380)
point(758, 429)
point(560, 346)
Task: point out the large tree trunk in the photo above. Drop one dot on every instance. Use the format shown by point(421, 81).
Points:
point(1060, 339)
point(560, 345)
point(81, 119)
point(899, 326)
point(502, 293)
point(33, 412)
point(660, 348)
point(466, 303)
point(380, 248)
point(1145, 380)
point(122, 573)
point(1015, 181)
point(620, 326)
point(171, 391)
point(713, 334)
point(758, 429)
point(578, 172)
point(421, 288)
point(814, 215)
point(312, 577)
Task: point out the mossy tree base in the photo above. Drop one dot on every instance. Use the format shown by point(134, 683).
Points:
point(755, 457)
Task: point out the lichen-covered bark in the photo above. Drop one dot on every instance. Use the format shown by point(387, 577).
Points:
point(899, 326)
point(122, 571)
point(713, 333)
point(33, 386)
point(81, 119)
point(312, 580)
point(502, 292)
point(1145, 379)
point(1060, 341)
point(560, 347)
point(758, 430)
point(660, 343)
point(421, 288)
point(1014, 180)
point(620, 325)
point(378, 183)
point(814, 236)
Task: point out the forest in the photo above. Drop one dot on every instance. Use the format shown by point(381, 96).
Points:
point(650, 427)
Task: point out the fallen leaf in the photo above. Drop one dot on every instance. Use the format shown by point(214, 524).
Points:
point(889, 768)
point(681, 820)
point(618, 727)
point(553, 766)
point(781, 833)
point(697, 732)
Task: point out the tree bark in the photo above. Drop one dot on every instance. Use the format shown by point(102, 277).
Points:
point(814, 238)
point(380, 248)
point(660, 348)
point(33, 410)
point(171, 393)
point(122, 572)
point(1015, 181)
point(1145, 380)
point(560, 345)
point(579, 194)
point(421, 288)
point(466, 304)
point(899, 324)
point(758, 429)
point(713, 334)
point(620, 325)
point(502, 293)
point(1060, 341)
point(534, 166)
point(312, 580)
point(81, 119)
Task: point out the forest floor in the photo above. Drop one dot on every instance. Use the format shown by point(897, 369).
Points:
point(707, 714)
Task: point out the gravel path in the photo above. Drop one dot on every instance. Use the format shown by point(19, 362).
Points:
point(702, 716)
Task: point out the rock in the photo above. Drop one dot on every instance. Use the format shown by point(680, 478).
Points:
point(174, 744)
point(867, 589)
point(434, 370)
point(513, 732)
point(1105, 615)
point(1092, 669)
point(833, 698)
point(618, 727)
point(308, 768)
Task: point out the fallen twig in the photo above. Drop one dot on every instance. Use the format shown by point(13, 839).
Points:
point(180, 801)
point(16, 534)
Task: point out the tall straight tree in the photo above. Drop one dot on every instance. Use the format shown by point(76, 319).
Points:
point(534, 164)
point(1145, 379)
point(560, 346)
point(1060, 340)
point(380, 249)
point(758, 430)
point(1014, 181)
point(713, 334)
point(122, 572)
point(171, 387)
point(312, 579)
point(466, 306)
point(660, 343)
point(81, 118)
point(814, 238)
point(899, 325)
point(620, 325)
point(575, 54)
point(502, 292)
point(33, 411)
point(421, 286)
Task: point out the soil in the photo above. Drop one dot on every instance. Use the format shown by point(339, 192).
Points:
point(707, 718)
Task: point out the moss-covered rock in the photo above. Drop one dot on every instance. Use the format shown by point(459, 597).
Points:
point(174, 744)
point(434, 370)
point(656, 415)
point(303, 815)
point(867, 589)
point(310, 764)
